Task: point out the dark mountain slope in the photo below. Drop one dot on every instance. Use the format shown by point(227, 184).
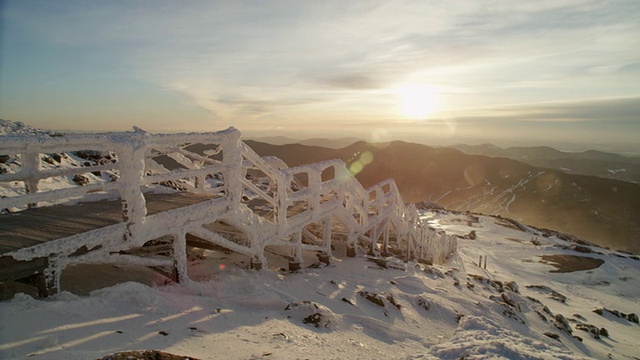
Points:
point(603, 211)
point(591, 162)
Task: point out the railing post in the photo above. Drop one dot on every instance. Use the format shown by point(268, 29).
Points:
point(325, 256)
point(351, 245)
point(315, 183)
point(180, 257)
point(282, 186)
point(385, 239)
point(232, 158)
point(30, 162)
point(296, 263)
point(134, 207)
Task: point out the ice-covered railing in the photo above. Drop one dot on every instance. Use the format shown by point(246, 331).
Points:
point(248, 202)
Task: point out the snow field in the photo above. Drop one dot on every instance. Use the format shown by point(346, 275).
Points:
point(355, 308)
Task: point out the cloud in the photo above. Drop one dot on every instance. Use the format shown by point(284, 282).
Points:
point(294, 63)
point(611, 111)
point(351, 82)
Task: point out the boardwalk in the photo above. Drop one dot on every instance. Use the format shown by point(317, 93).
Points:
point(228, 197)
point(39, 225)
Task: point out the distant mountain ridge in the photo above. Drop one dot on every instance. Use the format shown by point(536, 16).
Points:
point(332, 143)
point(604, 211)
point(590, 162)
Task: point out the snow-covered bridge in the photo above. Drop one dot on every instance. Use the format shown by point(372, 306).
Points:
point(198, 189)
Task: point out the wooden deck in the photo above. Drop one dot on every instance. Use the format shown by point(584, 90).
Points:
point(39, 225)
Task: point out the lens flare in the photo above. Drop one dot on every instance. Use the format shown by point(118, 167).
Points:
point(364, 159)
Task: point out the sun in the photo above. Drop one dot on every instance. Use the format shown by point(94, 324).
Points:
point(418, 101)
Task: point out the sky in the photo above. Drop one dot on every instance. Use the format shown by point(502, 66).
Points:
point(507, 72)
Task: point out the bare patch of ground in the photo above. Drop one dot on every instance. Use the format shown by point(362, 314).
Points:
point(570, 263)
point(145, 355)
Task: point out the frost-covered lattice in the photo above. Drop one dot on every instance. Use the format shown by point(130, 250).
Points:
point(245, 202)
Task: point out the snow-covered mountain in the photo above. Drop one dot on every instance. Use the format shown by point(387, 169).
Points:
point(539, 297)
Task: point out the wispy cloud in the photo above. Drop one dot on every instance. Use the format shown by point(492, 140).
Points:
point(293, 64)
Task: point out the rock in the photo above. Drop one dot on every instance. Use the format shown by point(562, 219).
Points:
point(89, 154)
point(544, 318)
point(379, 299)
point(632, 317)
point(348, 301)
point(434, 271)
point(145, 355)
point(553, 335)
point(509, 300)
point(311, 313)
point(373, 297)
point(599, 311)
point(582, 249)
point(559, 297)
point(80, 179)
point(595, 332)
point(393, 301)
point(496, 284)
point(562, 324)
point(513, 286)
point(424, 303)
point(386, 264)
point(428, 205)
point(48, 160)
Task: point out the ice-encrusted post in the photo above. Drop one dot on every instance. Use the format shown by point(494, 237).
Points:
point(374, 240)
point(325, 256)
point(351, 245)
point(385, 239)
point(180, 257)
point(30, 162)
point(134, 207)
point(232, 158)
point(283, 183)
point(315, 181)
point(296, 263)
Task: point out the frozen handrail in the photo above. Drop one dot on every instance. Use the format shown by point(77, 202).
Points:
point(267, 203)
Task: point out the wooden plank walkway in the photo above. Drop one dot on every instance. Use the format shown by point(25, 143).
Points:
point(39, 225)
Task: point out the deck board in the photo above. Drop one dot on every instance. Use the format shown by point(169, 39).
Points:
point(39, 225)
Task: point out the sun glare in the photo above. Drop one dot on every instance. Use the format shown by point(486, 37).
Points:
point(418, 100)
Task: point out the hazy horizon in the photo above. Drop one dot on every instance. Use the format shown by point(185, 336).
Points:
point(558, 73)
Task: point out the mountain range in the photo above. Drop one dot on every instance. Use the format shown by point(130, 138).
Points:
point(590, 162)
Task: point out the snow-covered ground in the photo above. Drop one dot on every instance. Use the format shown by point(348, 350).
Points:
point(357, 308)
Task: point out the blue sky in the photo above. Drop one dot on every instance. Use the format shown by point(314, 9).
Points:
point(501, 71)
